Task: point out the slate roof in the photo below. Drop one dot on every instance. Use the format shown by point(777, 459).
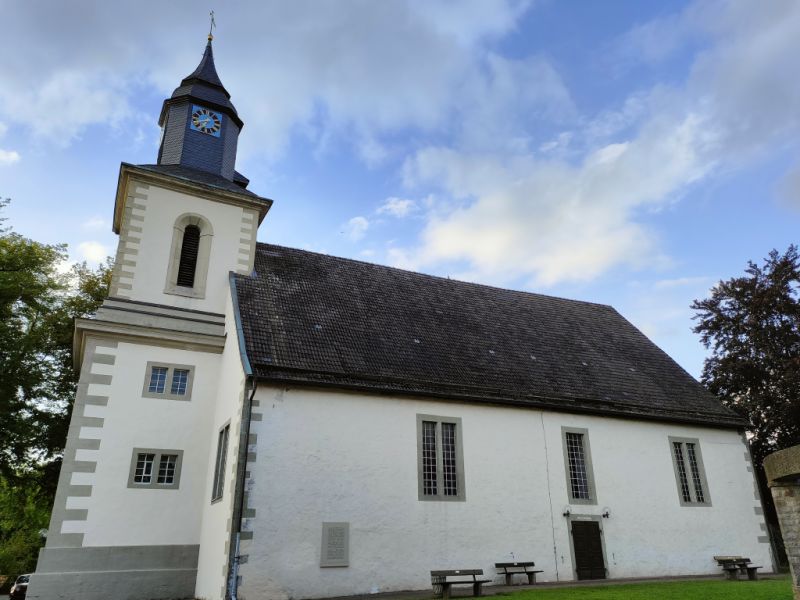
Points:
point(202, 177)
point(313, 319)
point(204, 85)
point(206, 70)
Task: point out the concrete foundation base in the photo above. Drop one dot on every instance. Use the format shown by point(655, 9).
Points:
point(118, 572)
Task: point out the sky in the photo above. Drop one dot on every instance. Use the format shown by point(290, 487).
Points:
point(628, 153)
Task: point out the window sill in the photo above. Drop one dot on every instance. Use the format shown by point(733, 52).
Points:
point(187, 292)
point(157, 396)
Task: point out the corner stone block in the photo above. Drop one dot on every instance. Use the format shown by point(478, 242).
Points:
point(783, 477)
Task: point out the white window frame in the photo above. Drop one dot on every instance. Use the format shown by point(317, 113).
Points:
point(461, 494)
point(167, 393)
point(153, 483)
point(690, 478)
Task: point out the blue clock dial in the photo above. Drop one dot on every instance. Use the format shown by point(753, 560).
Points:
point(206, 121)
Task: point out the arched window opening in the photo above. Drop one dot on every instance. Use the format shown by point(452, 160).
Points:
point(189, 251)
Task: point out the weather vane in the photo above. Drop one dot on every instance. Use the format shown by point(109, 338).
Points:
point(212, 27)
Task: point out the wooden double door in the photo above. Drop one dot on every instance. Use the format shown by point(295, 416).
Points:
point(587, 544)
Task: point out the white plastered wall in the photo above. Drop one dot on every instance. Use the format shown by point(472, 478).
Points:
point(334, 456)
point(216, 524)
point(152, 212)
point(122, 516)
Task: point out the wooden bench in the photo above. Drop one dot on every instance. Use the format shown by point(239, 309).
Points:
point(509, 569)
point(734, 565)
point(447, 579)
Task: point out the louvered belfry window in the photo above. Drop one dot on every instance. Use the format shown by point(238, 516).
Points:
point(188, 262)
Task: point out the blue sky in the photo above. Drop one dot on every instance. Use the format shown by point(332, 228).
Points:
point(629, 153)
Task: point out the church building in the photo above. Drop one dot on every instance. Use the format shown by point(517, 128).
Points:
point(260, 422)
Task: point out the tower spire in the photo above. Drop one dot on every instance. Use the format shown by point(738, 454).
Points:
point(200, 125)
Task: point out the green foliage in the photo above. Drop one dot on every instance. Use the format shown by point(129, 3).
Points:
point(765, 589)
point(24, 514)
point(38, 305)
point(752, 326)
point(39, 302)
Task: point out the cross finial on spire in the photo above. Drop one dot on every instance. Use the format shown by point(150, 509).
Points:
point(212, 27)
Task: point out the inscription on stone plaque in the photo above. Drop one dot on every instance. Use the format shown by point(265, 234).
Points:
point(335, 545)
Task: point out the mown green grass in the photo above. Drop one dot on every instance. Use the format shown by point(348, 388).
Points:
point(765, 589)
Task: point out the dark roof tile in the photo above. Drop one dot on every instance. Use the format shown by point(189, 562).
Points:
point(317, 319)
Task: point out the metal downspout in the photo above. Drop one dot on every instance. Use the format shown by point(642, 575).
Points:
point(238, 498)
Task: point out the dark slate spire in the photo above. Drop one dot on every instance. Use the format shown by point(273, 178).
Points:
point(206, 71)
point(183, 143)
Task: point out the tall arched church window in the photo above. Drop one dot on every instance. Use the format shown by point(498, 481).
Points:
point(189, 257)
point(188, 261)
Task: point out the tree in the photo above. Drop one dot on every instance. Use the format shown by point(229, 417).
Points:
point(751, 324)
point(39, 302)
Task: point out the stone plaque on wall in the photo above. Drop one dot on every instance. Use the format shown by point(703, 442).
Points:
point(335, 545)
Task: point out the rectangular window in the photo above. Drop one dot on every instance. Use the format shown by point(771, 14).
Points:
point(219, 465)
point(158, 377)
point(180, 377)
point(170, 382)
point(689, 472)
point(155, 469)
point(440, 458)
point(166, 469)
point(144, 467)
point(578, 466)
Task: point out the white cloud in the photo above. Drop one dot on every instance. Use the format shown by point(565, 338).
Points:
point(356, 228)
point(309, 68)
point(551, 220)
point(8, 157)
point(397, 207)
point(92, 251)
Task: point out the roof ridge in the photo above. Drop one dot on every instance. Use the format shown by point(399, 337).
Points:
point(439, 277)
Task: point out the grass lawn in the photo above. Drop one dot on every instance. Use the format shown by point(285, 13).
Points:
point(766, 589)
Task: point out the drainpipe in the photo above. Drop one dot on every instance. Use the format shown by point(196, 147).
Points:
point(238, 495)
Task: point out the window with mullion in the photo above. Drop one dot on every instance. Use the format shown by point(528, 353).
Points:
point(690, 475)
point(440, 458)
point(153, 468)
point(578, 466)
point(168, 381)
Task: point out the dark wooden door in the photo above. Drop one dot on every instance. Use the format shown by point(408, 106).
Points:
point(588, 547)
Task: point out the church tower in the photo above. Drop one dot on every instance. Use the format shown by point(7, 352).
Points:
point(199, 124)
point(145, 495)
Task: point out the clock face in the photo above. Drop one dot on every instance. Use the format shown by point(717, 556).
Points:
point(206, 121)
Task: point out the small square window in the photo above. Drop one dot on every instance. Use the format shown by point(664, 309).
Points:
point(155, 469)
point(169, 382)
point(180, 378)
point(158, 379)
